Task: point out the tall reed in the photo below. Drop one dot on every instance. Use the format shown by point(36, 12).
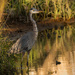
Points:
point(57, 8)
point(2, 5)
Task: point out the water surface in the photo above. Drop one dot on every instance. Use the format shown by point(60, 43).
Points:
point(52, 54)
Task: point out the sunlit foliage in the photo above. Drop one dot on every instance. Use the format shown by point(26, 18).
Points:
point(52, 8)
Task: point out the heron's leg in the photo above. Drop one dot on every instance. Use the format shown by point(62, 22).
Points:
point(22, 55)
point(28, 56)
point(21, 62)
point(22, 58)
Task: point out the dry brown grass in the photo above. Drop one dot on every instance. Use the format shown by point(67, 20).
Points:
point(2, 5)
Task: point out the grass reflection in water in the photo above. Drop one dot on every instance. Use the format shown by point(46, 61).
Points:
point(51, 46)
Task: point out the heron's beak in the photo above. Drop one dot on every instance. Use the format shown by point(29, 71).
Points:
point(38, 11)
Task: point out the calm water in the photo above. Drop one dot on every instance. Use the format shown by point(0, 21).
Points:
point(52, 54)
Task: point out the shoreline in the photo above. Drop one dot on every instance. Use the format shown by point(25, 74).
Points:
point(16, 30)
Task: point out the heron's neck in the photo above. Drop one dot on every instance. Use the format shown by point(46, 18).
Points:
point(34, 23)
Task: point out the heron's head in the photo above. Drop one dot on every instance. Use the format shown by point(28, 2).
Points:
point(33, 11)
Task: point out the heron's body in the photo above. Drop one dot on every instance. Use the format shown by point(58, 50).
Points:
point(26, 42)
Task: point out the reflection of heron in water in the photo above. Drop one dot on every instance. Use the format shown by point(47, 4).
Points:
point(26, 42)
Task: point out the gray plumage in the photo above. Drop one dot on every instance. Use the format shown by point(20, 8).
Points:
point(26, 42)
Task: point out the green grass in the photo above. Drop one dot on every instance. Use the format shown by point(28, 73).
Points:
point(7, 64)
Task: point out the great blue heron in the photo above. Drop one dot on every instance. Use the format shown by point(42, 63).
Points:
point(26, 42)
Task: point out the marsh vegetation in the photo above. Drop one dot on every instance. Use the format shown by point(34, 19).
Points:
point(56, 9)
point(55, 42)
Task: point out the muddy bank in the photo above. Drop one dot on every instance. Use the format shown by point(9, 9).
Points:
point(14, 30)
point(44, 24)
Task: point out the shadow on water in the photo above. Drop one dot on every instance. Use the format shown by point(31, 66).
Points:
point(52, 54)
